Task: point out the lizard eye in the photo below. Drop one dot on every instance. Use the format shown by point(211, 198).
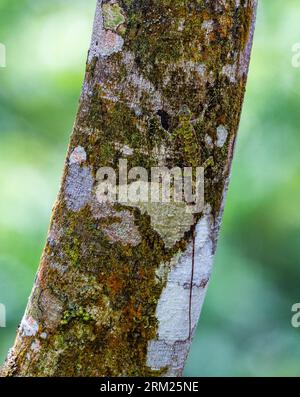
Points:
point(185, 111)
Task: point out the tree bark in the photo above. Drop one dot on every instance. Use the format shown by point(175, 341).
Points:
point(120, 287)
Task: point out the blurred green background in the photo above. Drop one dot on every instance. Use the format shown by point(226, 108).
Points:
point(245, 327)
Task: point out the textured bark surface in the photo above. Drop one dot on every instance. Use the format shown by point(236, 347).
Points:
point(120, 288)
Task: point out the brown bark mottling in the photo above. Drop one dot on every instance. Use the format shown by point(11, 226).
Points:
point(164, 85)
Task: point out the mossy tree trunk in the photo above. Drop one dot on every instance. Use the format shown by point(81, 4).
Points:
point(120, 288)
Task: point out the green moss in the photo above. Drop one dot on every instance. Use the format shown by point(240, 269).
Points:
point(112, 15)
point(80, 314)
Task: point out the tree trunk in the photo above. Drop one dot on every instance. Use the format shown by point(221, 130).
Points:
point(120, 285)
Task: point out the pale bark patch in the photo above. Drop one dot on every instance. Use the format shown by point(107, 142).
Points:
point(173, 336)
point(78, 156)
point(222, 135)
point(78, 187)
point(29, 326)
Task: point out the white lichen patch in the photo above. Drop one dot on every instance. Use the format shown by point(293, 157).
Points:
point(110, 43)
point(29, 326)
point(190, 66)
point(181, 25)
point(173, 337)
point(220, 5)
point(209, 141)
point(112, 16)
point(125, 150)
point(230, 71)
point(35, 346)
point(222, 135)
point(78, 187)
point(200, 68)
point(208, 27)
point(78, 156)
point(59, 268)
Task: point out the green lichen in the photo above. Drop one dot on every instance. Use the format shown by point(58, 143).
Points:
point(80, 314)
point(113, 16)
